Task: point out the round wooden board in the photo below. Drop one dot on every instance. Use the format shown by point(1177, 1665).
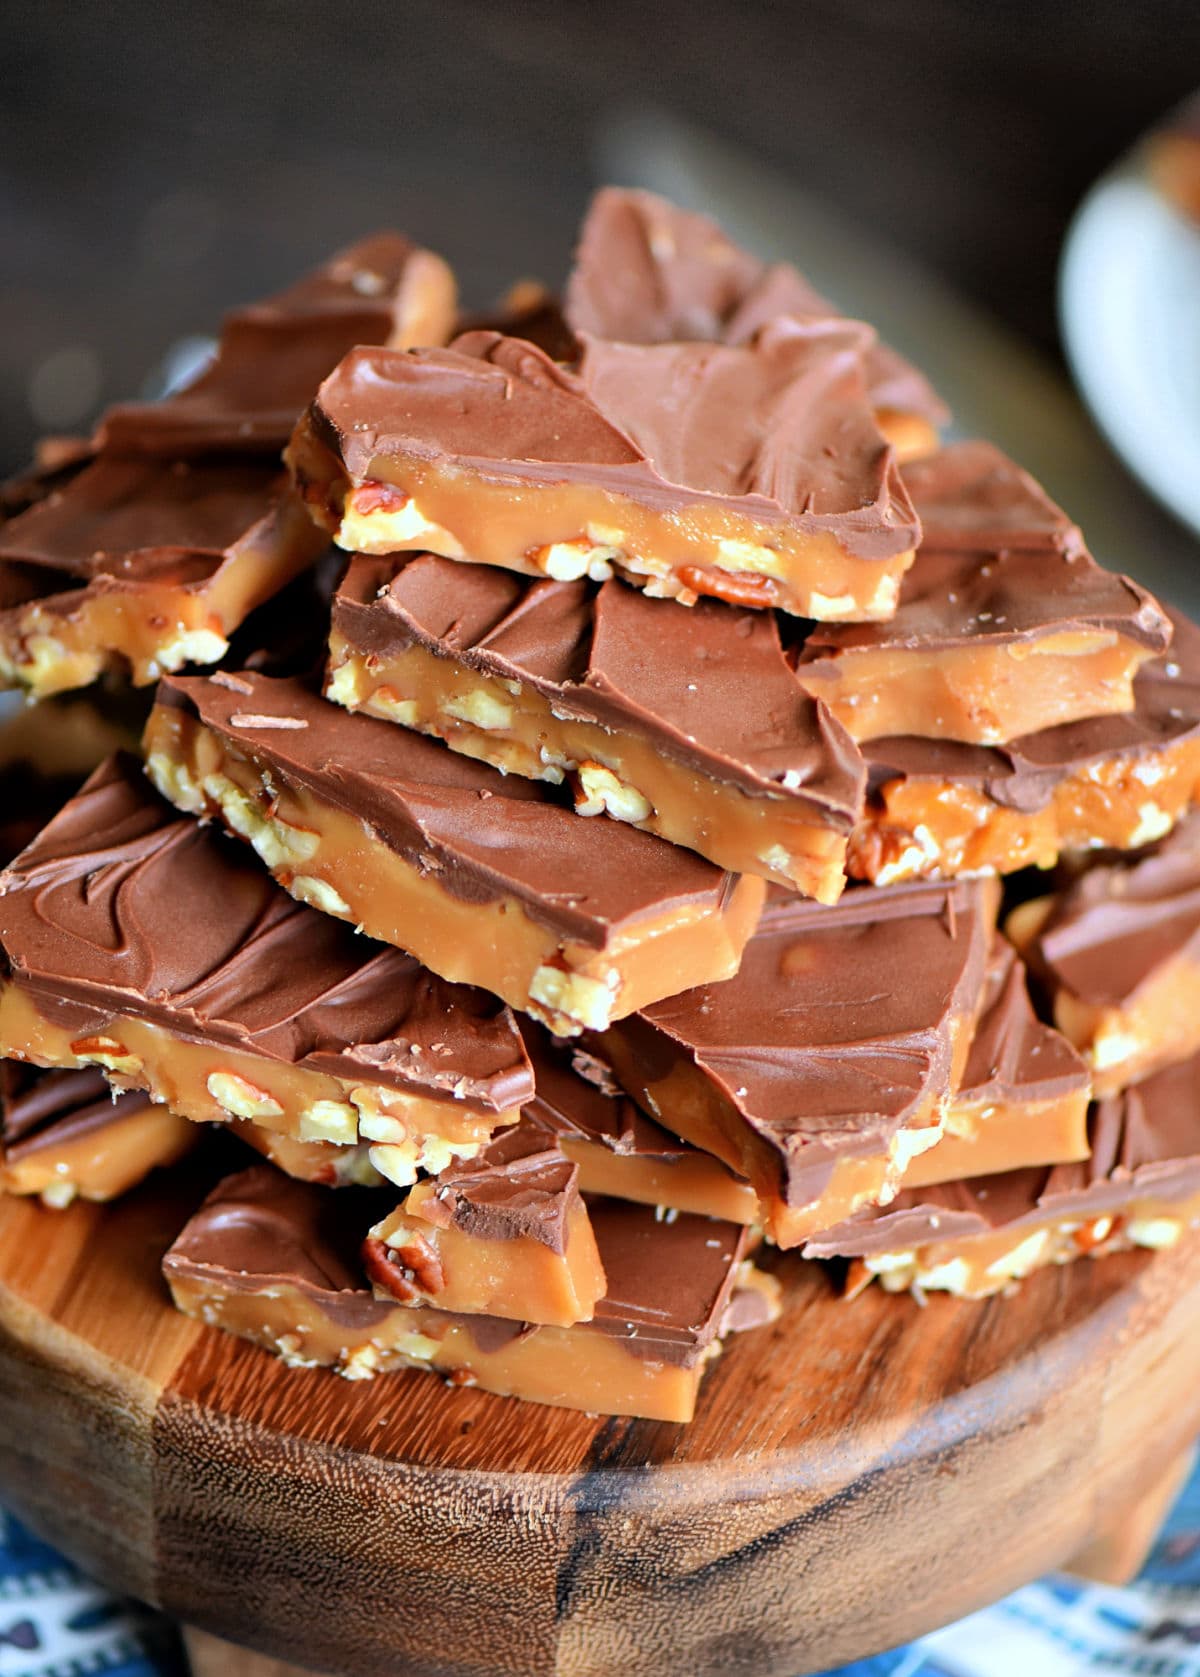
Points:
point(855, 1475)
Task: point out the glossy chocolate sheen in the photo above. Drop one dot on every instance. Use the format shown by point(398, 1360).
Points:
point(135, 521)
point(779, 431)
point(838, 1027)
point(272, 356)
point(1145, 1145)
point(482, 835)
point(1119, 923)
point(648, 272)
point(669, 1283)
point(518, 1186)
point(37, 1107)
point(123, 906)
point(1013, 1055)
point(711, 686)
point(1023, 774)
point(998, 562)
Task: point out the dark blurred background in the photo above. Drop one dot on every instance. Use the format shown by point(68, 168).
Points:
point(160, 162)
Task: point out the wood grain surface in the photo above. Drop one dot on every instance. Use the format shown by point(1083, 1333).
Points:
point(855, 1475)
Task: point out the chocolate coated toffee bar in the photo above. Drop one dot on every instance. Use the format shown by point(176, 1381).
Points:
point(1118, 954)
point(142, 943)
point(486, 879)
point(826, 1065)
point(1004, 621)
point(1140, 1187)
point(272, 355)
point(689, 725)
point(939, 808)
point(648, 272)
point(754, 472)
point(143, 565)
point(277, 1261)
point(62, 1135)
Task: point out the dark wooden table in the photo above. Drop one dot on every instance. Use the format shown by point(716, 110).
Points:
point(158, 161)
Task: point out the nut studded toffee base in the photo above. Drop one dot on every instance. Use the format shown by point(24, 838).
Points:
point(826, 1065)
point(574, 923)
point(63, 1136)
point(691, 727)
point(143, 566)
point(276, 1262)
point(265, 1011)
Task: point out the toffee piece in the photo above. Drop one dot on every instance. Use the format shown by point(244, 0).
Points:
point(1004, 621)
point(277, 1262)
point(827, 1064)
point(63, 1136)
point(756, 472)
point(691, 726)
point(648, 272)
point(936, 808)
point(143, 943)
point(141, 566)
point(272, 355)
point(1117, 952)
point(486, 879)
point(1140, 1187)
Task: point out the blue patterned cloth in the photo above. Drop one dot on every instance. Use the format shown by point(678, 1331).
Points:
point(53, 1623)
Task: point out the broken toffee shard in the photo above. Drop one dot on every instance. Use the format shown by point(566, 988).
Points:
point(755, 473)
point(272, 355)
point(1004, 619)
point(138, 941)
point(487, 879)
point(143, 566)
point(278, 1262)
point(690, 725)
point(827, 1064)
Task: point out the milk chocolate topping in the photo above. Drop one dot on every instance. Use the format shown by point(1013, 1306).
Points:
point(779, 430)
point(1116, 925)
point(519, 1185)
point(1145, 1145)
point(1023, 774)
point(272, 355)
point(37, 1107)
point(998, 562)
point(648, 272)
point(482, 834)
point(669, 1283)
point(838, 1026)
point(1013, 1055)
point(711, 686)
point(123, 906)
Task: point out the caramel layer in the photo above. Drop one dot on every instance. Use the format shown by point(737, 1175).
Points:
point(690, 1183)
point(326, 1162)
point(625, 775)
point(210, 1083)
point(146, 627)
point(100, 1164)
point(982, 695)
point(335, 863)
point(569, 1368)
point(981, 1140)
point(928, 829)
point(415, 1256)
point(579, 529)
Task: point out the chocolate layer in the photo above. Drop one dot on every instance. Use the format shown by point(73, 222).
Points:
point(710, 687)
point(518, 1186)
point(1023, 774)
point(65, 1106)
point(122, 906)
point(272, 355)
point(779, 431)
point(648, 272)
point(483, 835)
point(838, 1028)
point(670, 1284)
point(998, 563)
point(1145, 1145)
point(1014, 1057)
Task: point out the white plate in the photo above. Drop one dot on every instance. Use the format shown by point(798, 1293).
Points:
point(1129, 297)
